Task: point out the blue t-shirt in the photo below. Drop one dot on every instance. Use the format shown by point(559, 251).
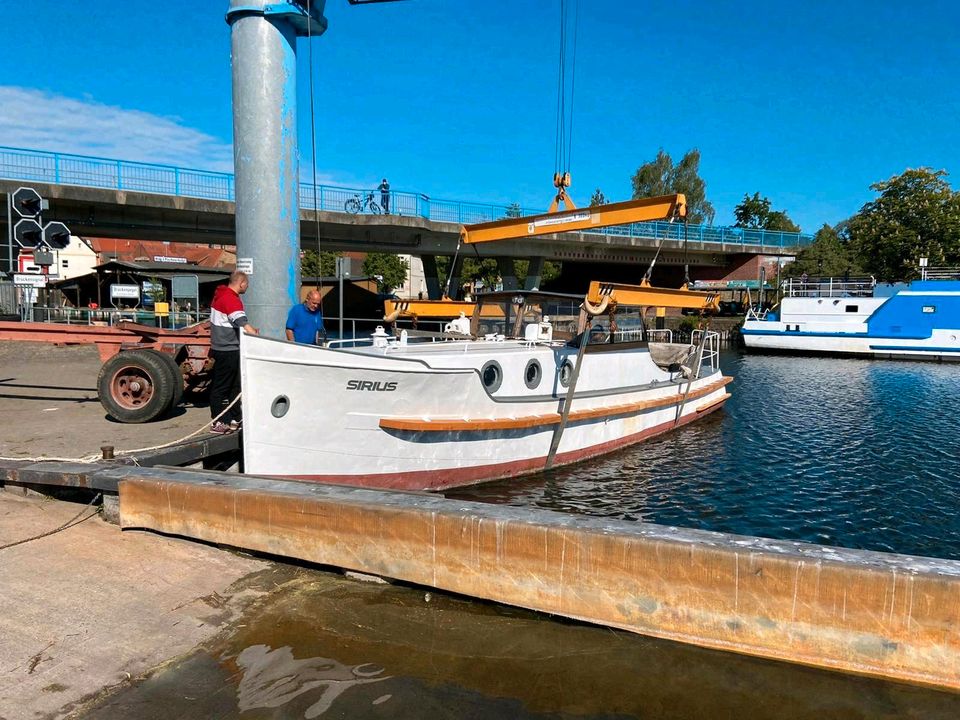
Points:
point(305, 324)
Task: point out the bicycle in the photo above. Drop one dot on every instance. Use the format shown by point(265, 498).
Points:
point(357, 204)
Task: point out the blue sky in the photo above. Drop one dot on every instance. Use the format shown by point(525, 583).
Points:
point(806, 103)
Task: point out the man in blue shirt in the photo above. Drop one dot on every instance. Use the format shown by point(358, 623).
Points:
point(305, 321)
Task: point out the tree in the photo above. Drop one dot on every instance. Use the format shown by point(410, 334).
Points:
point(314, 264)
point(551, 271)
point(390, 270)
point(513, 210)
point(916, 215)
point(598, 198)
point(827, 255)
point(755, 212)
point(662, 177)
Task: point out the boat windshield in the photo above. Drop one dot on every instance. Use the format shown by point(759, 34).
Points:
point(555, 317)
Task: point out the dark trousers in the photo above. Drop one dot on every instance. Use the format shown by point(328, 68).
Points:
point(226, 384)
point(385, 202)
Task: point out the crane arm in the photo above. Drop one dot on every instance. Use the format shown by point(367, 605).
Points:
point(646, 295)
point(666, 207)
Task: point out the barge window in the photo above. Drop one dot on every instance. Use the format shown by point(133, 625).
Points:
point(853, 308)
point(492, 376)
point(929, 308)
point(532, 374)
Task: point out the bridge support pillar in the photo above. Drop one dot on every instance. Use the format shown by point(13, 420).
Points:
point(432, 277)
point(263, 38)
point(508, 273)
point(534, 274)
point(456, 271)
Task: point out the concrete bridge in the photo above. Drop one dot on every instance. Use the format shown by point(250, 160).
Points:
point(100, 197)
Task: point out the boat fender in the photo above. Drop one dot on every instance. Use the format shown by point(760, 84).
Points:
point(596, 309)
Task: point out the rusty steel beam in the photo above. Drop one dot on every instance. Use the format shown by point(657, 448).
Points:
point(878, 614)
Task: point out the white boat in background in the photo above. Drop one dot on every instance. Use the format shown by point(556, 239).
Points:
point(858, 317)
point(531, 380)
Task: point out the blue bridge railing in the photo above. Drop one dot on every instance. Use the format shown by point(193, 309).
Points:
point(88, 171)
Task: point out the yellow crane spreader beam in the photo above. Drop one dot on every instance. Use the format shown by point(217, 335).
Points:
point(623, 213)
point(649, 296)
point(436, 309)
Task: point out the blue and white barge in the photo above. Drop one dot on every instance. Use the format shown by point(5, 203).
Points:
point(906, 321)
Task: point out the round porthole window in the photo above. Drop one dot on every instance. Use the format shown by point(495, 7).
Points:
point(280, 406)
point(492, 375)
point(566, 372)
point(532, 374)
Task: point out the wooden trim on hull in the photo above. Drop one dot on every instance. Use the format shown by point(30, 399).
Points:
point(458, 477)
point(531, 421)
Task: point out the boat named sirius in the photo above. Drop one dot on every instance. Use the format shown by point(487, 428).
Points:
point(531, 380)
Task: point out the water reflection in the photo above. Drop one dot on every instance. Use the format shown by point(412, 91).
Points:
point(273, 678)
point(845, 452)
point(351, 650)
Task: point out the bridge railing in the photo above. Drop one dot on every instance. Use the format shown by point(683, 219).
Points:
point(89, 171)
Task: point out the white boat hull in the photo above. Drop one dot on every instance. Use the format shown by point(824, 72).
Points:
point(424, 420)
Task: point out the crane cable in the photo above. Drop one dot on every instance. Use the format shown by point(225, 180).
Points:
point(563, 145)
point(313, 154)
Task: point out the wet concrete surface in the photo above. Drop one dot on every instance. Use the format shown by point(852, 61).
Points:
point(49, 406)
point(90, 608)
point(326, 646)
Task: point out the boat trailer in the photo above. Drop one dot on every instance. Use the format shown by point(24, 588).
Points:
point(145, 370)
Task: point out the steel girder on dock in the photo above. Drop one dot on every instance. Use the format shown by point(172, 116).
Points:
point(879, 614)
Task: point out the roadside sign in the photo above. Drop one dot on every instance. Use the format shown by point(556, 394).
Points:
point(125, 292)
point(245, 265)
point(29, 280)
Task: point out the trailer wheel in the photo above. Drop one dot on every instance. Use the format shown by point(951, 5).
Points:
point(176, 377)
point(135, 386)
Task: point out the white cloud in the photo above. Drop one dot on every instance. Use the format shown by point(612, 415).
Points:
point(37, 120)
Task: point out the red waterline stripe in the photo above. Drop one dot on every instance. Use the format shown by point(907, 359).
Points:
point(458, 477)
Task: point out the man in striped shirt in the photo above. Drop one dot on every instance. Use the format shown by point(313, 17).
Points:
point(227, 319)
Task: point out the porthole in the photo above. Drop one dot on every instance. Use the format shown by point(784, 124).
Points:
point(532, 374)
point(566, 372)
point(492, 375)
point(280, 406)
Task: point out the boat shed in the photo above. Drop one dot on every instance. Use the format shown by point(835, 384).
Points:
point(95, 287)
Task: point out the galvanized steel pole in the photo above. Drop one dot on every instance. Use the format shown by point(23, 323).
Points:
point(266, 158)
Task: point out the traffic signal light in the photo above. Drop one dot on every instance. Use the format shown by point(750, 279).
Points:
point(28, 233)
point(56, 235)
point(27, 202)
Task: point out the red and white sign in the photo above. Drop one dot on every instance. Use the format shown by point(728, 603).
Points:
point(25, 264)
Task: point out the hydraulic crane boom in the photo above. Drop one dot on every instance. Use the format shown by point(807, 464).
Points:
point(666, 207)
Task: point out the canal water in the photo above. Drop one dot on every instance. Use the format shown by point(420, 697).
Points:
point(843, 452)
point(854, 453)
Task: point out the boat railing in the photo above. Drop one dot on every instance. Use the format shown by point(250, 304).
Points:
point(664, 335)
point(755, 313)
point(829, 287)
point(940, 273)
point(710, 358)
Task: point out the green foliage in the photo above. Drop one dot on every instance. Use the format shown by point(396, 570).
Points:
point(687, 324)
point(598, 198)
point(662, 177)
point(488, 271)
point(755, 212)
point(156, 291)
point(314, 264)
point(390, 270)
point(827, 255)
point(916, 215)
point(551, 271)
point(512, 210)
